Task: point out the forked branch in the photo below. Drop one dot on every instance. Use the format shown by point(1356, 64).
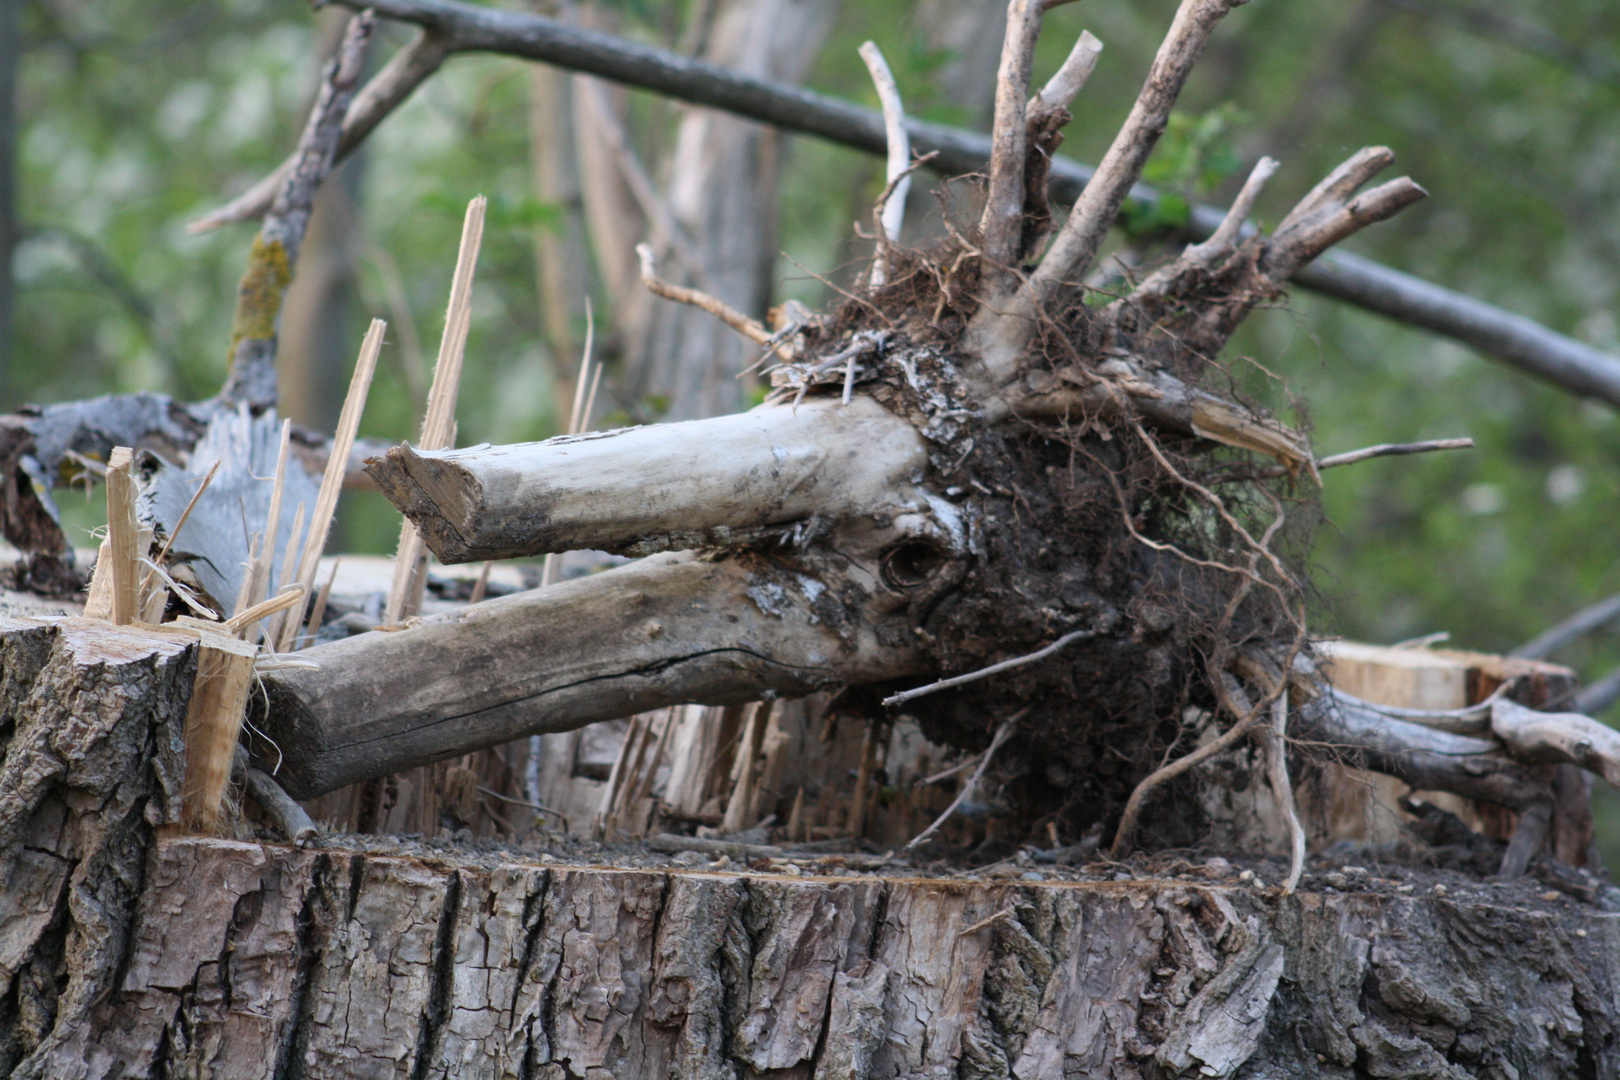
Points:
point(385, 92)
point(1094, 212)
point(450, 26)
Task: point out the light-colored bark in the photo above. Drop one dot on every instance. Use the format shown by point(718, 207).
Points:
point(644, 489)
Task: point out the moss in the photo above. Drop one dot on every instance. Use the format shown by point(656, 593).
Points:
point(258, 297)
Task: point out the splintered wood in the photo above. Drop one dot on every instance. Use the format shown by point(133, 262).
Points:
point(439, 423)
point(213, 719)
point(1352, 804)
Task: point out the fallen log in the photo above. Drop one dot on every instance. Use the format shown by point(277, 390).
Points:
point(662, 631)
point(660, 488)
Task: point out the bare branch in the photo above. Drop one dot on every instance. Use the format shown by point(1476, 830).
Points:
point(385, 92)
point(1503, 335)
point(1274, 737)
point(1001, 224)
point(898, 171)
point(1575, 738)
point(752, 329)
point(1065, 85)
point(1578, 625)
point(1321, 229)
point(293, 820)
point(1000, 737)
point(1226, 237)
point(1599, 695)
point(1337, 186)
point(1093, 214)
point(252, 377)
point(1366, 453)
point(994, 669)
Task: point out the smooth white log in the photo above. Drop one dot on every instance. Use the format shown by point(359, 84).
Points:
point(661, 487)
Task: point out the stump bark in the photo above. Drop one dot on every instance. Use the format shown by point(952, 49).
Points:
point(128, 950)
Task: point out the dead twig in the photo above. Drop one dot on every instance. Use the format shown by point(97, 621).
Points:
point(1000, 737)
point(1067, 82)
point(1366, 453)
point(752, 329)
point(1246, 715)
point(994, 669)
point(892, 207)
point(1004, 913)
point(1275, 739)
point(288, 816)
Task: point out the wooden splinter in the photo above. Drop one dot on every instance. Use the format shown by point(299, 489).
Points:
point(214, 718)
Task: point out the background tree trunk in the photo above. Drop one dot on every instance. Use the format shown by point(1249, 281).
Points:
point(10, 55)
point(721, 190)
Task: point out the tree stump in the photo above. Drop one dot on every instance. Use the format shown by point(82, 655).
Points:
point(128, 950)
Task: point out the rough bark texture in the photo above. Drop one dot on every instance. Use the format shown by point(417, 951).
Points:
point(129, 951)
point(90, 727)
point(246, 960)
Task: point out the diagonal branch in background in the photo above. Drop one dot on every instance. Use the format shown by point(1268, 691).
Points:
point(451, 27)
point(1578, 625)
point(252, 378)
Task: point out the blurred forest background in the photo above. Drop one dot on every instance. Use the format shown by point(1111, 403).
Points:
point(132, 117)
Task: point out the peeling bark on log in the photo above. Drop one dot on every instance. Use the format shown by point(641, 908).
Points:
point(655, 488)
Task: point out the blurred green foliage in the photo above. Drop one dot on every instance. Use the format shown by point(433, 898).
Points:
point(137, 116)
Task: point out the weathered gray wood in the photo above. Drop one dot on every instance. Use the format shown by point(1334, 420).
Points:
point(127, 951)
point(253, 961)
point(663, 631)
point(213, 546)
point(662, 487)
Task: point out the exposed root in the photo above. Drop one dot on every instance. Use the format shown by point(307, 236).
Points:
point(750, 328)
point(994, 669)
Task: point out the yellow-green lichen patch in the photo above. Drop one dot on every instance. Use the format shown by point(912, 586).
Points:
point(258, 297)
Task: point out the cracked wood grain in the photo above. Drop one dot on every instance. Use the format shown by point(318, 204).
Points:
point(616, 643)
point(465, 968)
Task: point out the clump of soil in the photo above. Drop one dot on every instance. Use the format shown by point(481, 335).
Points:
point(1094, 524)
